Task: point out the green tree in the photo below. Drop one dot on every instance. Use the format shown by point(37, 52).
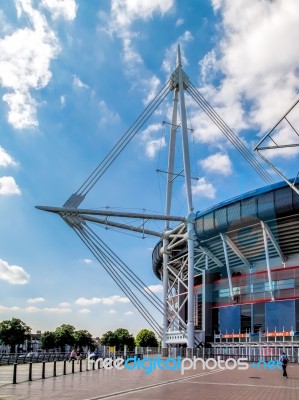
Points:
point(118, 338)
point(48, 340)
point(64, 335)
point(84, 339)
point(146, 338)
point(14, 332)
point(108, 339)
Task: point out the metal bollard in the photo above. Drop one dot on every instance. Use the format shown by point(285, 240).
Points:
point(14, 378)
point(80, 364)
point(54, 368)
point(44, 370)
point(30, 372)
point(73, 366)
point(93, 365)
point(64, 367)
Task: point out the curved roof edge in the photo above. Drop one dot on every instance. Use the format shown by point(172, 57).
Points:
point(244, 196)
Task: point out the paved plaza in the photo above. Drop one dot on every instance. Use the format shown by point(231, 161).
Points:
point(134, 385)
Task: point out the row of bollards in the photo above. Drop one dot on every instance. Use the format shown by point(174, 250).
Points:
point(43, 375)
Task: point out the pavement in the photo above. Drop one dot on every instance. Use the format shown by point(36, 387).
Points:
point(253, 383)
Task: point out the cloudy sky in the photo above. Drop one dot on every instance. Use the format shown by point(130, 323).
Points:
point(74, 75)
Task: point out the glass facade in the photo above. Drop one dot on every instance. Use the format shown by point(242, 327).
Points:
point(251, 309)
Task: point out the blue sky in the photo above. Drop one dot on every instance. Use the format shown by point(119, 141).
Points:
point(74, 75)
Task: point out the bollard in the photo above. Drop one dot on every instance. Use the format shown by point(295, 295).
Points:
point(30, 372)
point(14, 378)
point(93, 364)
point(73, 366)
point(64, 367)
point(80, 364)
point(44, 370)
point(54, 368)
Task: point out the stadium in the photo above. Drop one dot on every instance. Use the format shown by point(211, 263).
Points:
point(228, 273)
point(246, 268)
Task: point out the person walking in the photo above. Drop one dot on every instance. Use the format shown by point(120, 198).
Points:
point(73, 355)
point(284, 361)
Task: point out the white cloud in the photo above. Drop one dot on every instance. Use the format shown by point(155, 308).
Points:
point(26, 68)
point(48, 310)
point(112, 311)
point(62, 101)
point(218, 163)
point(36, 300)
point(123, 14)
point(203, 189)
point(126, 11)
point(153, 84)
point(257, 60)
point(5, 27)
point(107, 117)
point(64, 304)
point(153, 146)
point(13, 274)
point(179, 22)
point(82, 301)
point(87, 260)
point(4, 309)
point(155, 288)
point(61, 8)
point(78, 83)
point(84, 311)
point(33, 309)
point(5, 159)
point(169, 61)
point(128, 313)
point(8, 186)
point(151, 142)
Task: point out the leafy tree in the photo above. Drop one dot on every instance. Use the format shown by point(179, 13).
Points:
point(64, 335)
point(84, 339)
point(146, 338)
point(14, 332)
point(118, 338)
point(108, 339)
point(48, 340)
point(123, 337)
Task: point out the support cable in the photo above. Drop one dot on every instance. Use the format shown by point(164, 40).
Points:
point(124, 270)
point(128, 292)
point(238, 144)
point(123, 142)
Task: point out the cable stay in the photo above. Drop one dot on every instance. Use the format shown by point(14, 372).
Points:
point(120, 272)
point(79, 196)
point(102, 256)
point(263, 144)
point(122, 268)
point(229, 134)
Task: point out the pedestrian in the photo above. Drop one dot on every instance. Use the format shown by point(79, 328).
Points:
point(284, 361)
point(73, 355)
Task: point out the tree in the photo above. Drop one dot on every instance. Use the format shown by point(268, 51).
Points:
point(14, 332)
point(123, 337)
point(64, 335)
point(118, 338)
point(48, 340)
point(108, 339)
point(84, 339)
point(146, 338)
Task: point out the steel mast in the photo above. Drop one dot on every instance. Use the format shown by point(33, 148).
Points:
point(179, 83)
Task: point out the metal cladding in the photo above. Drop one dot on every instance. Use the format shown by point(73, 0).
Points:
point(273, 201)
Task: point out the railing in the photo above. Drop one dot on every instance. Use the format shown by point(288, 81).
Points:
point(28, 371)
point(25, 358)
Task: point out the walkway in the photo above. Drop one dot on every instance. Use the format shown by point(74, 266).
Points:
point(135, 385)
